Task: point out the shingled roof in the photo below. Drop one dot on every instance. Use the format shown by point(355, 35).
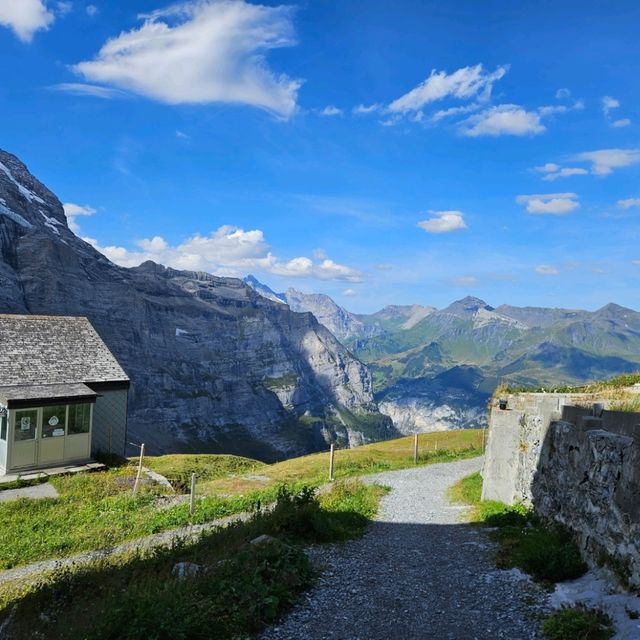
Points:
point(54, 350)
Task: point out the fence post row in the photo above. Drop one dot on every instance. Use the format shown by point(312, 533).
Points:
point(415, 449)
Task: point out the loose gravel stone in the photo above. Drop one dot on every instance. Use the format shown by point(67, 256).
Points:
point(419, 572)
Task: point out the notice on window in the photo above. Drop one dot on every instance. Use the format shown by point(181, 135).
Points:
point(53, 421)
point(25, 424)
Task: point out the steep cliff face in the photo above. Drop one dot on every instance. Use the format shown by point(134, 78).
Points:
point(214, 365)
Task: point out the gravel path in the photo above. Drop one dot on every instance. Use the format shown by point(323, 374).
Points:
point(418, 573)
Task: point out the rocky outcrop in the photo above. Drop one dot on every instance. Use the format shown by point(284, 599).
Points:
point(214, 365)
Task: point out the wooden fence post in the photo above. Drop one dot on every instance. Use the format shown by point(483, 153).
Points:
point(192, 497)
point(331, 455)
point(415, 449)
point(137, 482)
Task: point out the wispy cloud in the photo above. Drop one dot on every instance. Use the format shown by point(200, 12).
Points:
point(464, 83)
point(331, 111)
point(93, 90)
point(363, 109)
point(443, 222)
point(201, 52)
point(504, 119)
point(554, 171)
point(628, 203)
point(555, 204)
point(228, 251)
point(609, 104)
point(25, 17)
point(547, 270)
point(605, 161)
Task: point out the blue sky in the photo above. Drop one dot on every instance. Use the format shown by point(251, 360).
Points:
point(383, 153)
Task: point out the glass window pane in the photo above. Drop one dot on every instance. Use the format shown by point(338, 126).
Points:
point(79, 418)
point(26, 422)
point(54, 420)
point(3, 427)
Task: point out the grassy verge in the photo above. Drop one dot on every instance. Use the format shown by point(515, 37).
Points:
point(233, 586)
point(579, 623)
point(96, 510)
point(545, 551)
point(372, 458)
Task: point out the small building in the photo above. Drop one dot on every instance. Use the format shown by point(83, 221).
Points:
point(63, 395)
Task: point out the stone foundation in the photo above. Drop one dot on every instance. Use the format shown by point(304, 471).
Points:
point(551, 452)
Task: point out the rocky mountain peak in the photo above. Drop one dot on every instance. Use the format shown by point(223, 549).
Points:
point(215, 367)
point(467, 306)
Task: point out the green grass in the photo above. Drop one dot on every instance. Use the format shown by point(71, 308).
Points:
point(96, 510)
point(238, 589)
point(577, 623)
point(544, 550)
point(178, 468)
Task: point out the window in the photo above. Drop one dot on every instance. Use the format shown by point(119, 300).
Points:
point(3, 426)
point(26, 422)
point(54, 421)
point(79, 418)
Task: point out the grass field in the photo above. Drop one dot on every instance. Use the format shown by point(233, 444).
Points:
point(96, 510)
point(234, 587)
point(313, 469)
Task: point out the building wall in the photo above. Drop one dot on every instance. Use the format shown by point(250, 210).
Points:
point(110, 422)
point(572, 467)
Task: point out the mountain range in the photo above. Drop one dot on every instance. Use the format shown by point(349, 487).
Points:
point(436, 369)
point(214, 365)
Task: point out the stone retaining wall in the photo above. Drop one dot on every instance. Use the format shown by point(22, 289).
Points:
point(580, 469)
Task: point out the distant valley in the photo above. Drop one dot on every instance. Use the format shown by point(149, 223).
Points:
point(436, 369)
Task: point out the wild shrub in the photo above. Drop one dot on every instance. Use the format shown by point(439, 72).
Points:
point(577, 623)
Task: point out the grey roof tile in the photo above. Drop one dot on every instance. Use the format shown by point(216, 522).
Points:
point(54, 350)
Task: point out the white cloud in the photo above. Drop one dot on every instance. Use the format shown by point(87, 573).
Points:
point(547, 270)
point(609, 103)
point(549, 167)
point(443, 222)
point(331, 111)
point(504, 119)
point(228, 251)
point(556, 204)
point(350, 293)
point(563, 94)
point(72, 211)
point(25, 17)
point(465, 83)
point(363, 109)
point(64, 7)
point(554, 171)
point(181, 135)
point(628, 203)
point(384, 266)
point(454, 111)
point(91, 10)
point(623, 122)
point(604, 161)
point(201, 52)
point(93, 90)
